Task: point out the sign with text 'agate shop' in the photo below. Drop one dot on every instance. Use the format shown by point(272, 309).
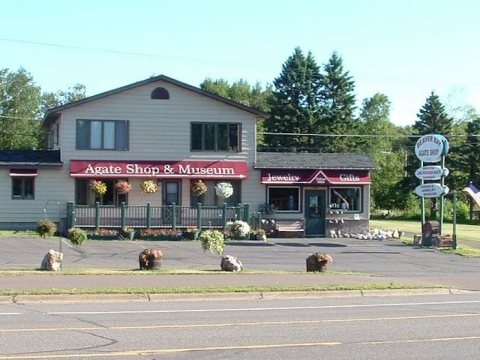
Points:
point(160, 169)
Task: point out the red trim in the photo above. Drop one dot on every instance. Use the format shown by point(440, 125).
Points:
point(160, 169)
point(315, 177)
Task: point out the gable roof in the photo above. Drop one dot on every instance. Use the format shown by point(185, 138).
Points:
point(334, 161)
point(54, 112)
point(30, 157)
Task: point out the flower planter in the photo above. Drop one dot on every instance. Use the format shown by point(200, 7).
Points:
point(150, 259)
point(318, 262)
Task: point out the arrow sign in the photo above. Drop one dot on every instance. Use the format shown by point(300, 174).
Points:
point(431, 172)
point(431, 190)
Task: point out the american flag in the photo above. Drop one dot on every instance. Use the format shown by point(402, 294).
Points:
point(473, 192)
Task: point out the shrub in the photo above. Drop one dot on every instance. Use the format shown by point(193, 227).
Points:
point(46, 227)
point(77, 236)
point(213, 241)
point(238, 229)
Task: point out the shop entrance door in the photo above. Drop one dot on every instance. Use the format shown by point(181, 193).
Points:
point(315, 212)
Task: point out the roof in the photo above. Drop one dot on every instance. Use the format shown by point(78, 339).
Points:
point(30, 158)
point(279, 160)
point(54, 112)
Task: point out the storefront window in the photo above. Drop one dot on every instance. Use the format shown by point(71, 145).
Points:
point(85, 196)
point(346, 199)
point(211, 199)
point(284, 198)
point(23, 188)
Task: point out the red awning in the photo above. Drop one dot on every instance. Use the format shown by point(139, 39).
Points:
point(315, 177)
point(160, 169)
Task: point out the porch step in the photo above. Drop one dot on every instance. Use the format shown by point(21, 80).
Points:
point(290, 228)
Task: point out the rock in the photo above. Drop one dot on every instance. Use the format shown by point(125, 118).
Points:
point(52, 261)
point(231, 263)
point(396, 234)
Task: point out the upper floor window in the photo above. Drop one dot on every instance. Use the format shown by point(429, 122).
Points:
point(160, 93)
point(102, 134)
point(215, 137)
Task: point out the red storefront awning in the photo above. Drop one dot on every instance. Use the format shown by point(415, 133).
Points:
point(160, 169)
point(315, 177)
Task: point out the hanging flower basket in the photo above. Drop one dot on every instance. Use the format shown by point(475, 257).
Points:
point(149, 186)
point(198, 187)
point(98, 187)
point(224, 189)
point(123, 186)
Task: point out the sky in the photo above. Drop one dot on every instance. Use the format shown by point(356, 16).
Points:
point(402, 48)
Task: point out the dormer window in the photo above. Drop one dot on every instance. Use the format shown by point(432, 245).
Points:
point(160, 93)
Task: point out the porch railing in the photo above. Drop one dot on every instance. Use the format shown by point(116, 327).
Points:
point(148, 216)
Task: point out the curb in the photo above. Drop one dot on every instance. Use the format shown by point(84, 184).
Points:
point(23, 299)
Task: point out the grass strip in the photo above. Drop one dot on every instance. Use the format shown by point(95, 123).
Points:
point(208, 289)
point(159, 272)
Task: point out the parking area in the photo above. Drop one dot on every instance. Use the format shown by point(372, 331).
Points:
point(388, 259)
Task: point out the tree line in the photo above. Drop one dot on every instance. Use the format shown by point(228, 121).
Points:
point(23, 105)
point(312, 108)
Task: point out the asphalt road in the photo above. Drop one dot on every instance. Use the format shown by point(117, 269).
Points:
point(388, 261)
point(406, 327)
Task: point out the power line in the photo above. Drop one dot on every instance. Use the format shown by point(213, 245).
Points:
point(358, 135)
point(80, 48)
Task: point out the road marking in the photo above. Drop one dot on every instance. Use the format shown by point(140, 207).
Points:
point(11, 313)
point(149, 352)
point(236, 324)
point(352, 306)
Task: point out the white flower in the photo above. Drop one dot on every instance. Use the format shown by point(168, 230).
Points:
point(224, 189)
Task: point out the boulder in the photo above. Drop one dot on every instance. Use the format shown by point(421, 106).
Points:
point(52, 261)
point(231, 263)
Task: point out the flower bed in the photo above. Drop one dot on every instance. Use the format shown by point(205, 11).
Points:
point(161, 234)
point(103, 234)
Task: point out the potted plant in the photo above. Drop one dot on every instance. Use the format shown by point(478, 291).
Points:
point(198, 187)
point(224, 189)
point(213, 241)
point(123, 186)
point(191, 233)
point(238, 229)
point(129, 232)
point(318, 261)
point(150, 259)
point(98, 187)
point(149, 186)
point(261, 235)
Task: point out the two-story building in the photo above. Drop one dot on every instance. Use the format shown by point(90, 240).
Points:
point(174, 134)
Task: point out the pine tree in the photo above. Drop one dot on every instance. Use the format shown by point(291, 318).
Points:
point(337, 105)
point(432, 118)
point(294, 106)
